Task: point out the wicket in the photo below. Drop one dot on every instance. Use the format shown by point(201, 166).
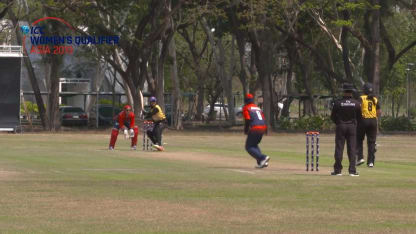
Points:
point(312, 136)
point(147, 143)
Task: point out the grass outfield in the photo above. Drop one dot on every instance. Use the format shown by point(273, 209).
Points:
point(202, 183)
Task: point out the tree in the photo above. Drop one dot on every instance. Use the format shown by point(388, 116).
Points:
point(197, 46)
point(144, 39)
point(4, 7)
point(32, 76)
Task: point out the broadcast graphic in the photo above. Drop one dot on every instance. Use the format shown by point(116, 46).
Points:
point(42, 42)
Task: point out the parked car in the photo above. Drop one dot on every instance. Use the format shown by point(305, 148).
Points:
point(71, 115)
point(238, 111)
point(219, 110)
point(105, 114)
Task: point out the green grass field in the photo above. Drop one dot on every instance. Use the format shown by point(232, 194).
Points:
point(203, 183)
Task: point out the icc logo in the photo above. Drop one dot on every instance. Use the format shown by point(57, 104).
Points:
point(32, 30)
point(25, 29)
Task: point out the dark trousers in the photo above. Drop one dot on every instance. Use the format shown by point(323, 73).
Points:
point(155, 134)
point(367, 127)
point(345, 132)
point(252, 145)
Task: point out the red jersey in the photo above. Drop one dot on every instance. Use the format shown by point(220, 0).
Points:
point(123, 118)
point(255, 116)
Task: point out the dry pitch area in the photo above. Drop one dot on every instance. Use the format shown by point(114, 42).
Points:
point(203, 183)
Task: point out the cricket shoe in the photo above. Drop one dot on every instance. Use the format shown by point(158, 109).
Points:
point(336, 173)
point(264, 163)
point(370, 165)
point(110, 148)
point(158, 148)
point(133, 147)
point(354, 174)
point(359, 162)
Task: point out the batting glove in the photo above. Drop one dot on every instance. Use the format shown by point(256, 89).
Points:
point(131, 133)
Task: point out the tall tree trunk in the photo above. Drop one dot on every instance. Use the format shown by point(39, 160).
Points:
point(367, 55)
point(31, 72)
point(243, 65)
point(263, 48)
point(254, 80)
point(163, 50)
point(263, 60)
point(200, 101)
point(177, 107)
point(127, 89)
point(375, 32)
point(53, 98)
point(220, 61)
point(398, 105)
point(226, 79)
point(240, 36)
point(345, 48)
point(289, 99)
point(306, 66)
point(196, 62)
point(160, 82)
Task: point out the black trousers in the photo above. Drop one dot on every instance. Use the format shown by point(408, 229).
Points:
point(345, 132)
point(252, 145)
point(155, 134)
point(367, 127)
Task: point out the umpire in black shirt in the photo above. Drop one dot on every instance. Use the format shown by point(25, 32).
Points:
point(345, 114)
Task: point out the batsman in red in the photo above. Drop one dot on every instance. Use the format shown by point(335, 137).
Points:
point(125, 121)
point(255, 127)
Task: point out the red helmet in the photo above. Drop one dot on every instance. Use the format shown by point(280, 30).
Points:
point(127, 107)
point(248, 98)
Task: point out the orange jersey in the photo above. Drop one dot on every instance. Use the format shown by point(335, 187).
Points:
point(122, 118)
point(255, 116)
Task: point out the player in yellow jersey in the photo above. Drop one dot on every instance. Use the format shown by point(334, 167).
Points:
point(159, 120)
point(367, 126)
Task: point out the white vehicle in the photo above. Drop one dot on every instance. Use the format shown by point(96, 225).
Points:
point(220, 110)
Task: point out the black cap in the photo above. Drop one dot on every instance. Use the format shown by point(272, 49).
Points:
point(348, 87)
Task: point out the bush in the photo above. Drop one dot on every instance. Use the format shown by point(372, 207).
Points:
point(412, 113)
point(314, 123)
point(284, 124)
point(396, 124)
point(319, 123)
point(31, 107)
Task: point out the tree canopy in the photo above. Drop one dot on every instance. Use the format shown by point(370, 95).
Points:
point(278, 50)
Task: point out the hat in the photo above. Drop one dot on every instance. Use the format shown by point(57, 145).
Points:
point(248, 98)
point(152, 99)
point(127, 107)
point(347, 87)
point(368, 88)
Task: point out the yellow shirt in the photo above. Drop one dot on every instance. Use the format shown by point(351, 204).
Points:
point(368, 107)
point(159, 116)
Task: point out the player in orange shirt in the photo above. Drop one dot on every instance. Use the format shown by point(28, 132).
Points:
point(125, 121)
point(255, 127)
